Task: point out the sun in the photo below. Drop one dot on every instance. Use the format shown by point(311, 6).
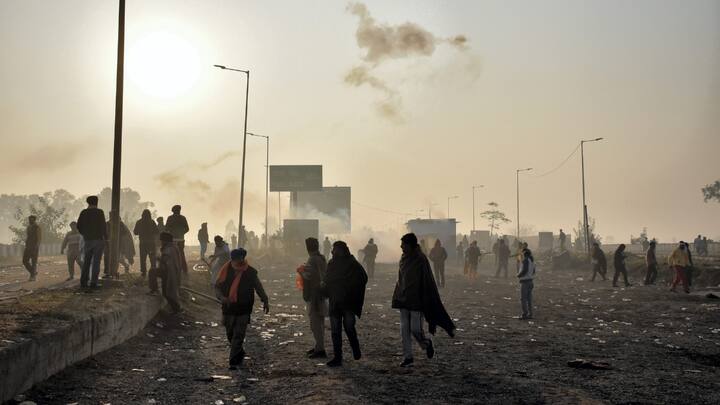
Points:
point(162, 65)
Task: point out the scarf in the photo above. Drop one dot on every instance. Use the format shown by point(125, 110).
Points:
point(232, 295)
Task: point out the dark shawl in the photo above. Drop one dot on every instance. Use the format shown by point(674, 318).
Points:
point(345, 285)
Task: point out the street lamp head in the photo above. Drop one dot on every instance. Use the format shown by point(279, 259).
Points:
point(220, 66)
point(599, 139)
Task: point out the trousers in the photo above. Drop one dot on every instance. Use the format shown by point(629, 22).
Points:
point(316, 315)
point(338, 322)
point(411, 326)
point(526, 288)
point(235, 328)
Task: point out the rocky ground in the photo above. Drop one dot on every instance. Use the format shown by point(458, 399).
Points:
point(661, 347)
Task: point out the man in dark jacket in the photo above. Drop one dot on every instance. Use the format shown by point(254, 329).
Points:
point(91, 225)
point(32, 247)
point(236, 286)
point(417, 297)
point(204, 239)
point(177, 226)
point(370, 252)
point(472, 257)
point(147, 231)
point(599, 262)
point(619, 263)
point(170, 270)
point(503, 256)
point(438, 255)
point(313, 275)
point(345, 286)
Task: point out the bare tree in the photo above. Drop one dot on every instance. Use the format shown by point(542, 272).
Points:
point(494, 216)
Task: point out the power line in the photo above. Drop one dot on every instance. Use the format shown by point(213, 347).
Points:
point(561, 164)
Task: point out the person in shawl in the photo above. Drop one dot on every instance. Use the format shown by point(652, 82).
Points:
point(236, 286)
point(345, 287)
point(416, 296)
point(170, 268)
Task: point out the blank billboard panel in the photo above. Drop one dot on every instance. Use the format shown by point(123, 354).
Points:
point(296, 178)
point(331, 206)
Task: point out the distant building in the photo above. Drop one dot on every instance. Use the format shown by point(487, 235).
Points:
point(432, 229)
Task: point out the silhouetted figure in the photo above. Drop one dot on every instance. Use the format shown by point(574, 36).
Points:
point(679, 261)
point(170, 269)
point(345, 287)
point(313, 275)
point(503, 255)
point(234, 241)
point(416, 296)
point(71, 247)
point(177, 226)
point(697, 244)
point(437, 256)
point(562, 238)
point(236, 286)
point(91, 225)
point(460, 253)
point(526, 276)
point(472, 258)
point(327, 247)
point(704, 246)
point(126, 255)
point(370, 254)
point(148, 233)
point(651, 263)
point(161, 227)
point(219, 258)
point(204, 239)
point(599, 262)
point(32, 247)
point(619, 264)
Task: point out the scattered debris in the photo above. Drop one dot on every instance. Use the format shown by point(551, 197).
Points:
point(589, 365)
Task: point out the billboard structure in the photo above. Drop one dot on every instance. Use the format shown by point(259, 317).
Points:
point(431, 229)
point(295, 231)
point(296, 178)
point(331, 206)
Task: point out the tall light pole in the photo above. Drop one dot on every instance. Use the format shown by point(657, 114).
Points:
point(451, 198)
point(517, 186)
point(267, 180)
point(242, 173)
point(586, 224)
point(430, 209)
point(117, 146)
point(473, 192)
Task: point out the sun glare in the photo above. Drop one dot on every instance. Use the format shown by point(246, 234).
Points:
point(162, 65)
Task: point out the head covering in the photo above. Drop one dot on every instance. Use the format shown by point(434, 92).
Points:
point(176, 208)
point(92, 200)
point(410, 239)
point(342, 246)
point(371, 240)
point(312, 244)
point(218, 239)
point(238, 254)
point(146, 214)
point(166, 237)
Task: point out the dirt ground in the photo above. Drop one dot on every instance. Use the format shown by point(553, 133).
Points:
point(662, 347)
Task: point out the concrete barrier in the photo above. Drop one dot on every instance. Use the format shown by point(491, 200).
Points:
point(27, 363)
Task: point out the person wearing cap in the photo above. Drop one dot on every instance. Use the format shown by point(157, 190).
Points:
point(679, 260)
point(32, 247)
point(651, 263)
point(416, 296)
point(170, 268)
point(370, 252)
point(619, 264)
point(236, 286)
point(91, 225)
point(71, 245)
point(345, 287)
point(526, 274)
point(313, 274)
point(177, 226)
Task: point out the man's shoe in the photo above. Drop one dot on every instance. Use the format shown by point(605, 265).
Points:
point(430, 350)
point(320, 354)
point(406, 363)
point(335, 362)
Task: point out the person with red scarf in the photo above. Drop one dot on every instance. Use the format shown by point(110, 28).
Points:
point(236, 286)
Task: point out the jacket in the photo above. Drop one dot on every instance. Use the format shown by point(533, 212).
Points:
point(472, 254)
point(345, 285)
point(679, 257)
point(438, 254)
point(147, 230)
point(34, 235)
point(91, 224)
point(314, 276)
point(619, 259)
point(371, 251)
point(416, 291)
point(598, 257)
point(247, 288)
point(177, 225)
point(71, 242)
point(527, 271)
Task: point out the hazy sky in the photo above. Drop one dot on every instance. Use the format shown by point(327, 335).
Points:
point(532, 80)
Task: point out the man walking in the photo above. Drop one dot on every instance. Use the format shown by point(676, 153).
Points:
point(503, 255)
point(562, 238)
point(345, 286)
point(177, 226)
point(619, 264)
point(438, 255)
point(651, 263)
point(313, 275)
point(71, 244)
point(679, 261)
point(32, 247)
point(327, 247)
point(599, 262)
point(170, 269)
point(472, 257)
point(416, 296)
point(147, 232)
point(526, 275)
point(204, 239)
point(236, 286)
point(370, 253)
point(460, 253)
point(91, 225)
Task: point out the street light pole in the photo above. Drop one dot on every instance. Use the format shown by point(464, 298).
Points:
point(117, 146)
point(586, 224)
point(430, 210)
point(450, 198)
point(517, 186)
point(473, 193)
point(267, 181)
point(242, 173)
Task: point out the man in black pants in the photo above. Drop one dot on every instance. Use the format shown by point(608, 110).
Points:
point(91, 225)
point(503, 256)
point(619, 262)
point(345, 286)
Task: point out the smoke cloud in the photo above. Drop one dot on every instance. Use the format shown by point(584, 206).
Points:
point(383, 42)
point(47, 157)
